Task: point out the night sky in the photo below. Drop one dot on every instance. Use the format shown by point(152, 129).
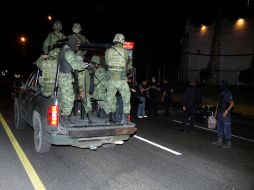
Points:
point(156, 27)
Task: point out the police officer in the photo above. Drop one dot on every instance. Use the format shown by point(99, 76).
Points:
point(68, 63)
point(76, 29)
point(191, 101)
point(52, 37)
point(117, 61)
point(223, 112)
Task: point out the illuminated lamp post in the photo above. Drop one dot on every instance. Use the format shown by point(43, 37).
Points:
point(22, 41)
point(50, 18)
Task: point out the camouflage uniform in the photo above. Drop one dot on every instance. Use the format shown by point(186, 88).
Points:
point(117, 60)
point(52, 37)
point(84, 87)
point(48, 67)
point(76, 28)
point(100, 86)
point(68, 62)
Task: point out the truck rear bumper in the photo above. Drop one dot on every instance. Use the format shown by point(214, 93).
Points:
point(85, 137)
point(100, 132)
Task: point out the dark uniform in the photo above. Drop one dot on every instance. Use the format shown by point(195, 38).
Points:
point(167, 91)
point(191, 101)
point(224, 107)
point(154, 94)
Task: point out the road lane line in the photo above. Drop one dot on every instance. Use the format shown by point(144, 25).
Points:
point(33, 176)
point(239, 137)
point(157, 145)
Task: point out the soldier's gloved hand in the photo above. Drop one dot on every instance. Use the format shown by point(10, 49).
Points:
point(82, 94)
point(88, 65)
point(45, 56)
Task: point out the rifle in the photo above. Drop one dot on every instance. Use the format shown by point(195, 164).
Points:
point(83, 46)
point(77, 93)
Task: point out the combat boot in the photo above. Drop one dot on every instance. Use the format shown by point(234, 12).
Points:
point(101, 113)
point(125, 119)
point(227, 144)
point(218, 142)
point(112, 117)
point(89, 117)
point(65, 120)
point(106, 118)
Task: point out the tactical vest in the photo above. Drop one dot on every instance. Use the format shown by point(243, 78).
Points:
point(54, 37)
point(47, 80)
point(116, 59)
point(64, 66)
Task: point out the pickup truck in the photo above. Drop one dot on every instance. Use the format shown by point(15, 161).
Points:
point(42, 113)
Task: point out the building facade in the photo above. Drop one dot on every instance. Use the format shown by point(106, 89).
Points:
point(226, 47)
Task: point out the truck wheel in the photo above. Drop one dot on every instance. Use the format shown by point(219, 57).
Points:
point(18, 121)
point(41, 144)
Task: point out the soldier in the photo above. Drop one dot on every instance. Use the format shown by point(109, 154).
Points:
point(117, 61)
point(52, 37)
point(48, 65)
point(68, 63)
point(76, 29)
point(100, 86)
point(83, 76)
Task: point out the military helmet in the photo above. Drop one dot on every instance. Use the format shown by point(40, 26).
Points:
point(76, 28)
point(96, 59)
point(119, 38)
point(57, 25)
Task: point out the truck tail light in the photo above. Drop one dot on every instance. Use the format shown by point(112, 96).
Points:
point(129, 117)
point(53, 115)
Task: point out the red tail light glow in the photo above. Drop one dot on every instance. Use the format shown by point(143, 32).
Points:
point(129, 117)
point(53, 116)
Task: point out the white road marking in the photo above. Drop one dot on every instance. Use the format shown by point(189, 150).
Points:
point(239, 137)
point(157, 145)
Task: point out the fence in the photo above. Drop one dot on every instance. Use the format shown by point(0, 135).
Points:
point(230, 75)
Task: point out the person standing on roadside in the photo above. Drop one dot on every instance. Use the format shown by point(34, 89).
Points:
point(223, 112)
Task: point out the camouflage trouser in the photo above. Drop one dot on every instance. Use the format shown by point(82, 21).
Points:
point(67, 94)
point(87, 103)
point(121, 86)
point(100, 94)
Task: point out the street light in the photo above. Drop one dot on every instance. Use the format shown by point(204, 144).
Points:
point(22, 40)
point(240, 23)
point(50, 18)
point(203, 27)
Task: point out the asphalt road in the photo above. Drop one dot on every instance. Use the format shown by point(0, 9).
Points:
point(133, 165)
